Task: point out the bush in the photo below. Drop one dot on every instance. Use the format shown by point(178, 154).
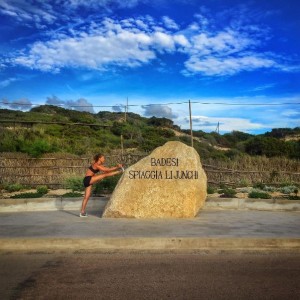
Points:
point(289, 189)
point(243, 183)
point(210, 190)
point(42, 189)
point(74, 183)
point(259, 195)
point(228, 193)
point(27, 195)
point(245, 190)
point(106, 185)
point(37, 147)
point(15, 187)
point(259, 185)
point(72, 195)
point(294, 197)
point(269, 189)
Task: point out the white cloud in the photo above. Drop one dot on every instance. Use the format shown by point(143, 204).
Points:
point(263, 87)
point(113, 45)
point(290, 113)
point(160, 111)
point(22, 104)
point(134, 42)
point(28, 11)
point(226, 124)
point(44, 12)
point(169, 23)
point(163, 41)
point(222, 66)
point(102, 3)
point(80, 104)
point(118, 108)
point(7, 82)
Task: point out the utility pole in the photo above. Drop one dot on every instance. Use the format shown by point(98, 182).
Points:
point(126, 110)
point(218, 128)
point(191, 124)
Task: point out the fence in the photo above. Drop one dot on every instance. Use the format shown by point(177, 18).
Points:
point(52, 171)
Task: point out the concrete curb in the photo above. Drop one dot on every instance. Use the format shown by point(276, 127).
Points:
point(212, 203)
point(252, 204)
point(103, 244)
point(49, 204)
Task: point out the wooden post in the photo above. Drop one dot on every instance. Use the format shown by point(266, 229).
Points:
point(122, 146)
point(191, 124)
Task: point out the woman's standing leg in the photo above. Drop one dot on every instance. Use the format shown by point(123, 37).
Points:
point(87, 194)
point(88, 190)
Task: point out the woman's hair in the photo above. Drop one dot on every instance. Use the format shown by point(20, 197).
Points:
point(97, 156)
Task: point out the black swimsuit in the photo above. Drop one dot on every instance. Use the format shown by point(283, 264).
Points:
point(87, 179)
point(93, 170)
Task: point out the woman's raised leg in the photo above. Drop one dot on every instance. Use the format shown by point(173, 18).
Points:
point(99, 177)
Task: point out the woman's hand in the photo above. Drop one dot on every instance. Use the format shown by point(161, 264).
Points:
point(119, 166)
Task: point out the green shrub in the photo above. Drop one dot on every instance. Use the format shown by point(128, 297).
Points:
point(244, 183)
point(259, 195)
point(74, 183)
point(289, 189)
point(36, 148)
point(269, 189)
point(72, 195)
point(259, 185)
point(228, 193)
point(42, 189)
point(294, 197)
point(222, 186)
point(106, 185)
point(210, 190)
point(15, 187)
point(245, 190)
point(27, 195)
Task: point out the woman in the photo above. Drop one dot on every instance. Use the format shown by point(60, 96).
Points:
point(91, 178)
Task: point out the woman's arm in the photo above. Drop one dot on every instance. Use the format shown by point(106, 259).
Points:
point(106, 170)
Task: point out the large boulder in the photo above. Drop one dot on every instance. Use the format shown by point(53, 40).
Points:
point(169, 183)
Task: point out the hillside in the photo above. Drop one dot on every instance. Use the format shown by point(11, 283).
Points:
point(48, 129)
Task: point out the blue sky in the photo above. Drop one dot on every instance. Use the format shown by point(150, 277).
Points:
point(86, 54)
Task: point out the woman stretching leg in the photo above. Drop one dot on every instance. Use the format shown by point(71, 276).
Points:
point(91, 178)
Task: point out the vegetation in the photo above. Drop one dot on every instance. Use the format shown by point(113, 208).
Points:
point(210, 190)
point(227, 193)
point(72, 195)
point(15, 187)
point(289, 189)
point(27, 195)
point(61, 134)
point(106, 186)
point(74, 183)
point(257, 194)
point(42, 189)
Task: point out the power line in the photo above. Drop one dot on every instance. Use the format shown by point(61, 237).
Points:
point(155, 104)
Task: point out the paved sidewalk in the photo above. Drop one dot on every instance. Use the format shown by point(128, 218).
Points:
point(211, 229)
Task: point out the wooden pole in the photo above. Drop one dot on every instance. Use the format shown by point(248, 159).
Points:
point(191, 124)
point(122, 145)
point(126, 109)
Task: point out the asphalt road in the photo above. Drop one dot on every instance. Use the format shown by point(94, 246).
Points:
point(150, 276)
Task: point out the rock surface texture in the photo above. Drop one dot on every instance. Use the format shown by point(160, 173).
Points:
point(169, 183)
